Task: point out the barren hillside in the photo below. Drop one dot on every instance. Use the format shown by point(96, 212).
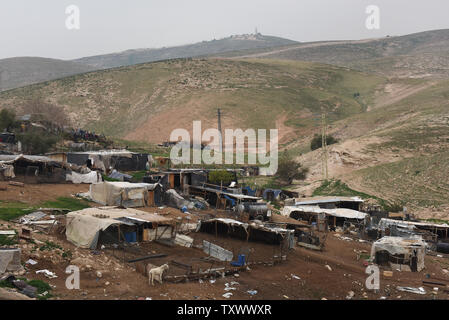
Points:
point(146, 102)
point(418, 55)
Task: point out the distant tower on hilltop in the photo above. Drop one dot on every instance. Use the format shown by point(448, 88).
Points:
point(256, 32)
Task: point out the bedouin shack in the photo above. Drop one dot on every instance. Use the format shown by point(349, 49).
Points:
point(41, 169)
point(121, 160)
point(335, 217)
point(248, 231)
point(403, 254)
point(126, 194)
point(93, 227)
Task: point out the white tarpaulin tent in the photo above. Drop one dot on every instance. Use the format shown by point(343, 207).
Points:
point(339, 212)
point(406, 248)
point(83, 227)
point(126, 194)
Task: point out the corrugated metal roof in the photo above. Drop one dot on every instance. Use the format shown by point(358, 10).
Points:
point(330, 199)
point(339, 212)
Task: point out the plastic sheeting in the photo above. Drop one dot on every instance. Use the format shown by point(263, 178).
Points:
point(339, 213)
point(83, 227)
point(406, 247)
point(7, 170)
point(78, 178)
point(10, 260)
point(175, 200)
point(128, 195)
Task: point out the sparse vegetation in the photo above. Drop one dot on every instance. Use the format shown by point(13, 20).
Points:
point(37, 141)
point(72, 204)
point(339, 188)
point(9, 240)
point(221, 177)
point(317, 141)
point(49, 246)
point(289, 169)
point(12, 210)
point(41, 287)
point(7, 120)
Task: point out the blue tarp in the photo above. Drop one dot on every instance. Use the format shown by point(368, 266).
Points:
point(250, 192)
point(120, 176)
point(230, 199)
point(131, 236)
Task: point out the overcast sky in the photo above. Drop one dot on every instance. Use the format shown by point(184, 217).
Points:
point(38, 28)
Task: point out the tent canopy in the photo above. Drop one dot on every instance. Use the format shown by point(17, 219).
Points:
point(83, 227)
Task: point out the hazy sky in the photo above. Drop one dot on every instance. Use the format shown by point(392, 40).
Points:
point(38, 27)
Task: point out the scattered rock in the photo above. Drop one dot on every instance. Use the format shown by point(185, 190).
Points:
point(350, 295)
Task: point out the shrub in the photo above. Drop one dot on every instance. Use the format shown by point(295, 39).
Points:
point(37, 142)
point(7, 120)
point(316, 142)
point(221, 176)
point(289, 169)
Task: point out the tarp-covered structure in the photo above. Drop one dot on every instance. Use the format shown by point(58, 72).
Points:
point(331, 202)
point(91, 227)
point(126, 194)
point(404, 253)
point(173, 199)
point(122, 160)
point(42, 169)
point(248, 231)
point(335, 216)
point(429, 231)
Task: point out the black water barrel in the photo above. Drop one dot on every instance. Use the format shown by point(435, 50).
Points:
point(443, 247)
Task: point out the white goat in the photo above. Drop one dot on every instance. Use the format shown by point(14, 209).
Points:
point(156, 273)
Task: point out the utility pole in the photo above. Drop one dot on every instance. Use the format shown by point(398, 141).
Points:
point(1, 80)
point(219, 130)
point(324, 157)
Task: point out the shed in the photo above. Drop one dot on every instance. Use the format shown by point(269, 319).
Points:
point(126, 194)
point(105, 225)
point(407, 254)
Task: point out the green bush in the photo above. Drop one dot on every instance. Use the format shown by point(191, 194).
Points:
point(289, 169)
point(317, 142)
point(37, 142)
point(221, 176)
point(7, 120)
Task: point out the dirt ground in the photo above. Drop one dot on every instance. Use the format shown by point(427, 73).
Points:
point(303, 275)
point(34, 194)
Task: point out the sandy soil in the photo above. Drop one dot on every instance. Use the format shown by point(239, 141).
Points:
point(120, 281)
point(126, 281)
point(34, 194)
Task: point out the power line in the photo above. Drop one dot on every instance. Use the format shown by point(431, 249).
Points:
point(324, 157)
